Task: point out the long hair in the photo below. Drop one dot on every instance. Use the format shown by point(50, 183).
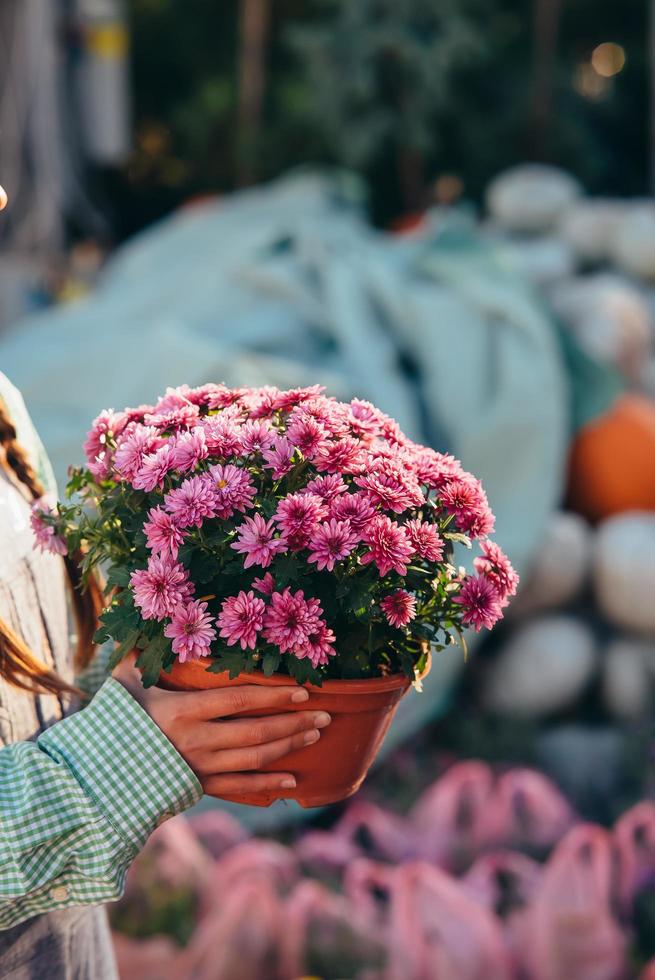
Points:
point(18, 664)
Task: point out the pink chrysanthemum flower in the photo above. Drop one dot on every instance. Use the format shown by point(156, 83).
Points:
point(291, 619)
point(344, 456)
point(265, 585)
point(174, 398)
point(162, 533)
point(391, 431)
point(218, 396)
point(466, 500)
point(184, 416)
point(353, 507)
point(191, 631)
point(154, 469)
point(160, 588)
point(390, 548)
point(480, 601)
point(241, 619)
point(331, 542)
point(136, 415)
point(132, 446)
point(256, 540)
point(434, 469)
point(190, 448)
point(222, 435)
point(318, 647)
point(255, 436)
point(234, 489)
point(45, 536)
point(212, 396)
point(307, 435)
point(399, 608)
point(284, 401)
point(298, 516)
point(107, 426)
point(365, 420)
point(326, 487)
point(260, 402)
point(192, 502)
point(391, 487)
point(426, 540)
point(279, 456)
point(496, 566)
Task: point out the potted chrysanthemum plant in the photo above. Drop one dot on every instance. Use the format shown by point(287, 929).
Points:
point(254, 535)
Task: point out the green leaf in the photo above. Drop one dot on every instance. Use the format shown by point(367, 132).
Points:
point(287, 570)
point(235, 661)
point(303, 672)
point(151, 659)
point(425, 631)
point(270, 662)
point(117, 622)
point(204, 566)
point(129, 643)
point(267, 507)
point(118, 575)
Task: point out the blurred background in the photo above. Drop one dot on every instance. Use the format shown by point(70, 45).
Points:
point(446, 207)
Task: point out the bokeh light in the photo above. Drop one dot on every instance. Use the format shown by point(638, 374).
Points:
point(608, 59)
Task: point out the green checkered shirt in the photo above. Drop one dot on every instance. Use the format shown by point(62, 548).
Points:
point(77, 805)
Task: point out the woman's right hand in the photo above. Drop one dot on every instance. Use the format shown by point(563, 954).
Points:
point(226, 752)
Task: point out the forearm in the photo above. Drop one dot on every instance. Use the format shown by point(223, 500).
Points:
point(77, 806)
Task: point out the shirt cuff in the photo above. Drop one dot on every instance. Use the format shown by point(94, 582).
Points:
point(124, 762)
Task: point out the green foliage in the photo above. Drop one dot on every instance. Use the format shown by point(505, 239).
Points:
point(380, 70)
point(359, 84)
point(151, 659)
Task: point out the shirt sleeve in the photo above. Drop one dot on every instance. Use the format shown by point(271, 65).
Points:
point(91, 679)
point(77, 805)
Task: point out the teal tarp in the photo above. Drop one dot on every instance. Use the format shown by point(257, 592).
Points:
point(288, 284)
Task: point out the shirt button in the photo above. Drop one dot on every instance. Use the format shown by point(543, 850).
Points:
point(59, 894)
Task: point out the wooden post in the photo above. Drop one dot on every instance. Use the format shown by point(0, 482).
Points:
point(547, 14)
point(253, 32)
point(651, 100)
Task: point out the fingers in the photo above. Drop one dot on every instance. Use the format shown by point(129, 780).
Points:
point(228, 701)
point(257, 756)
point(242, 732)
point(239, 784)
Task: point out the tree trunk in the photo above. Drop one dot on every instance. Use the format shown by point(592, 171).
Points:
point(253, 31)
point(547, 15)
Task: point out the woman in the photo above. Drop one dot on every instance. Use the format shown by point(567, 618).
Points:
point(81, 792)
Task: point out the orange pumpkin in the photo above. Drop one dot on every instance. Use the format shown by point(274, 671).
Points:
point(612, 461)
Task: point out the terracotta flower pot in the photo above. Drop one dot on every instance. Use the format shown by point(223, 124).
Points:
point(335, 766)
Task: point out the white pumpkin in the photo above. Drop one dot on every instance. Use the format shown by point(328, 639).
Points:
point(589, 227)
point(626, 683)
point(610, 318)
point(633, 247)
point(543, 667)
point(531, 197)
point(560, 568)
point(624, 571)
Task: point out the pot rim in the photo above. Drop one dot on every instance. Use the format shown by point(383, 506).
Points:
point(357, 685)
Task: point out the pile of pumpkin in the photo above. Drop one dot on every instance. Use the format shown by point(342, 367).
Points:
point(585, 616)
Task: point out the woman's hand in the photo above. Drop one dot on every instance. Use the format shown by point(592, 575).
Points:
point(225, 752)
